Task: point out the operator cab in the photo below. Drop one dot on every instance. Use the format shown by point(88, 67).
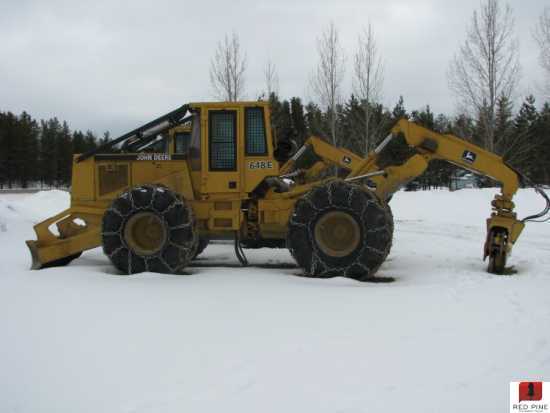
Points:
point(231, 148)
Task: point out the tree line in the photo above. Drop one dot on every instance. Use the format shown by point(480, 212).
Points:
point(39, 153)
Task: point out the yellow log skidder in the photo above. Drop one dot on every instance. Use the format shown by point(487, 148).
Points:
point(155, 196)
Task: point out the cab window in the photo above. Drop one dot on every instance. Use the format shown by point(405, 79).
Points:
point(255, 132)
point(159, 146)
point(155, 145)
point(223, 140)
point(181, 142)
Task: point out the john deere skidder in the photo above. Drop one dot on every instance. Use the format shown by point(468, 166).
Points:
point(155, 196)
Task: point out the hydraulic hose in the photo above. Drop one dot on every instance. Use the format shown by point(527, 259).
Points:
point(545, 211)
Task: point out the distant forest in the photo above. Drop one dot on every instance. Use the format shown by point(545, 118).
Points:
point(37, 153)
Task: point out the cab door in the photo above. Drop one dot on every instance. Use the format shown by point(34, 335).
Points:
point(259, 162)
point(223, 157)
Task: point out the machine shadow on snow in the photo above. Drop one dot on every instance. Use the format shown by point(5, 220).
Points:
point(275, 266)
point(216, 263)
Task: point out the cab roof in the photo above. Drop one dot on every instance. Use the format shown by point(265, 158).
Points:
point(228, 105)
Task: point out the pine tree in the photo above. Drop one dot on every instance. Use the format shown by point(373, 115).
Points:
point(523, 145)
point(48, 151)
point(315, 120)
point(463, 127)
point(8, 133)
point(541, 170)
point(424, 117)
point(276, 108)
point(79, 144)
point(3, 153)
point(383, 121)
point(480, 132)
point(352, 121)
point(399, 111)
point(27, 150)
point(105, 139)
point(443, 124)
point(64, 149)
point(90, 141)
point(504, 125)
point(298, 120)
point(285, 130)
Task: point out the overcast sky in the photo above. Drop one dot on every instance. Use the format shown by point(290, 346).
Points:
point(112, 65)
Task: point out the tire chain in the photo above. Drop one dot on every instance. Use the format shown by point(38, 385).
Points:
point(187, 250)
point(318, 267)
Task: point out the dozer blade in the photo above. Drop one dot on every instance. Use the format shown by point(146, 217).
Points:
point(50, 250)
point(36, 264)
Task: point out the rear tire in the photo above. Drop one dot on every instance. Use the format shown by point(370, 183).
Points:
point(149, 228)
point(340, 229)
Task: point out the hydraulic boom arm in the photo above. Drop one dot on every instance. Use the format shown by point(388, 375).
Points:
point(503, 227)
point(433, 145)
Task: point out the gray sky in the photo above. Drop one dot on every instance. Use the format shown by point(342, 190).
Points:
point(113, 65)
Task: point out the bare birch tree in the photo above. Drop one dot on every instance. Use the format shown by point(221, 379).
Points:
point(326, 80)
point(271, 78)
point(368, 79)
point(227, 69)
point(487, 65)
point(542, 36)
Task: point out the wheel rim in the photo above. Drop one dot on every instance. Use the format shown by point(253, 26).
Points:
point(497, 257)
point(145, 233)
point(337, 233)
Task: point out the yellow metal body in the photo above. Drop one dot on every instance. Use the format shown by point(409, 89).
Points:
point(431, 145)
point(230, 203)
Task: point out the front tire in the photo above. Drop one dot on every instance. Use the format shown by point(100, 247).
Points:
point(149, 228)
point(340, 229)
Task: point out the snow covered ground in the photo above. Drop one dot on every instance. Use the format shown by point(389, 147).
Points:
point(445, 336)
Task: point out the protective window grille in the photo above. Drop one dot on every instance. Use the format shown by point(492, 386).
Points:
point(222, 141)
point(255, 132)
point(182, 140)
